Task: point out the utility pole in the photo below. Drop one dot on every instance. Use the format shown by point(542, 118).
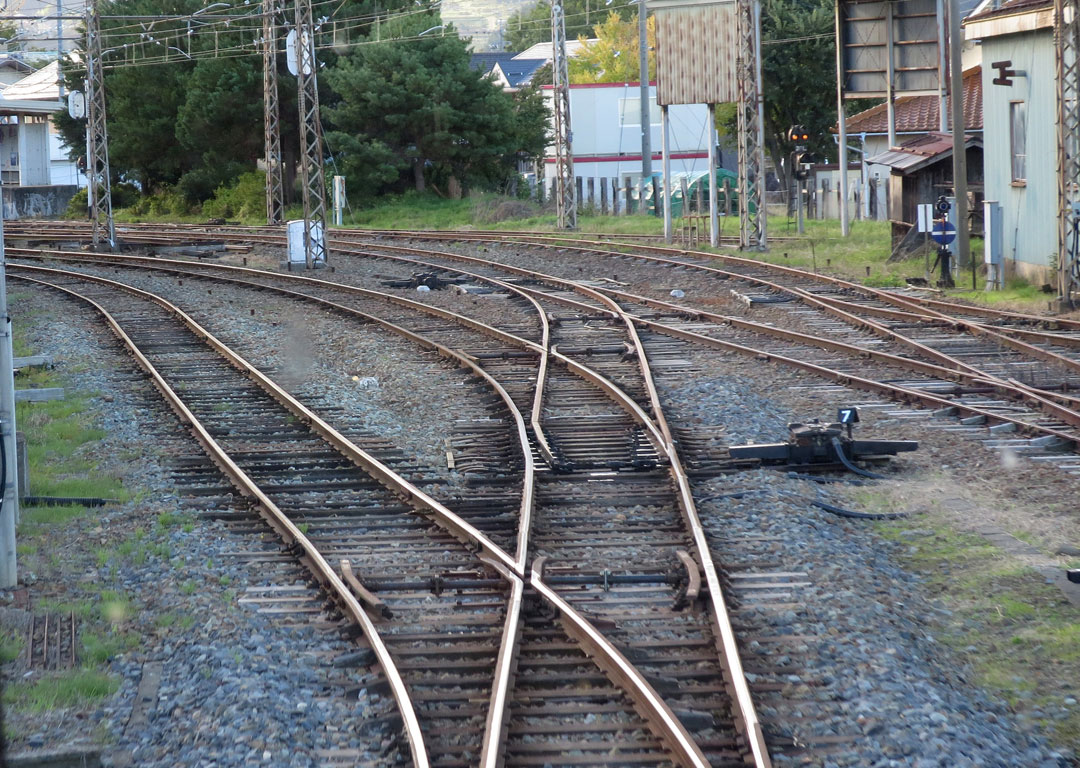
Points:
point(9, 498)
point(311, 150)
point(97, 138)
point(59, 48)
point(956, 82)
point(943, 99)
point(275, 190)
point(841, 121)
point(1067, 66)
point(643, 77)
point(751, 130)
point(565, 196)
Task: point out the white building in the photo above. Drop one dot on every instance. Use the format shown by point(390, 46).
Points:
point(605, 120)
point(31, 152)
point(1019, 117)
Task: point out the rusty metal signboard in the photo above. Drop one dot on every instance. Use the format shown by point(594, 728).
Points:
point(696, 49)
point(880, 38)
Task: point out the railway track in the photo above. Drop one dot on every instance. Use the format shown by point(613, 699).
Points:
point(584, 330)
point(1017, 363)
point(615, 721)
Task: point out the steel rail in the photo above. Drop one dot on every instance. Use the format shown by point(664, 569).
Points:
point(289, 533)
point(731, 661)
point(892, 391)
point(460, 528)
point(1049, 403)
point(542, 349)
point(671, 732)
point(506, 659)
point(1044, 399)
point(541, 238)
point(1015, 390)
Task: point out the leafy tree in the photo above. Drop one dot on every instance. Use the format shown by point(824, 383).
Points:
point(7, 33)
point(798, 69)
point(613, 56)
point(412, 107)
point(532, 25)
point(220, 123)
point(192, 122)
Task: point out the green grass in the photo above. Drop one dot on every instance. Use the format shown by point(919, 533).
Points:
point(36, 518)
point(55, 692)
point(1018, 633)
point(11, 645)
point(59, 434)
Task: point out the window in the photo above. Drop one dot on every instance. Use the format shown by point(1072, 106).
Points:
point(630, 110)
point(1018, 140)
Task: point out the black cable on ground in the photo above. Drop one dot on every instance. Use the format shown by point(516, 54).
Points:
point(857, 515)
point(839, 448)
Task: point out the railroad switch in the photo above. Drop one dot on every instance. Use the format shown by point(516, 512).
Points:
point(430, 280)
point(819, 447)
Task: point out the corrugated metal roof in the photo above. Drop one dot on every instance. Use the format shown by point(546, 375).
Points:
point(920, 114)
point(543, 50)
point(40, 85)
point(1007, 8)
point(919, 152)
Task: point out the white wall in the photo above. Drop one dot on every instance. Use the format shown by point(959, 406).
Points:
point(605, 121)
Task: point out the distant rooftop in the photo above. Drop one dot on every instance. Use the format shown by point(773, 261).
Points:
point(989, 9)
point(921, 114)
point(41, 85)
point(543, 51)
point(485, 62)
point(920, 152)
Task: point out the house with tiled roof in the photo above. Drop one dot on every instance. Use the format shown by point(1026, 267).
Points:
point(1019, 113)
point(916, 116)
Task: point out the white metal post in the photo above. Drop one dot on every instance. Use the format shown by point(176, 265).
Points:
point(842, 121)
point(664, 142)
point(943, 99)
point(643, 76)
point(10, 496)
point(714, 219)
point(890, 66)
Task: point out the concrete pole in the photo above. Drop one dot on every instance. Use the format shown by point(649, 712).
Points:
point(714, 218)
point(845, 228)
point(9, 498)
point(890, 95)
point(667, 173)
point(643, 76)
point(59, 48)
point(763, 214)
point(956, 82)
point(943, 100)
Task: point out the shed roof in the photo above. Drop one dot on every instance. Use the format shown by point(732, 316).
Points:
point(485, 62)
point(990, 9)
point(920, 152)
point(921, 114)
point(43, 84)
point(519, 72)
point(543, 51)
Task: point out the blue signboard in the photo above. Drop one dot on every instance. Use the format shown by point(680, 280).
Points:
point(943, 232)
